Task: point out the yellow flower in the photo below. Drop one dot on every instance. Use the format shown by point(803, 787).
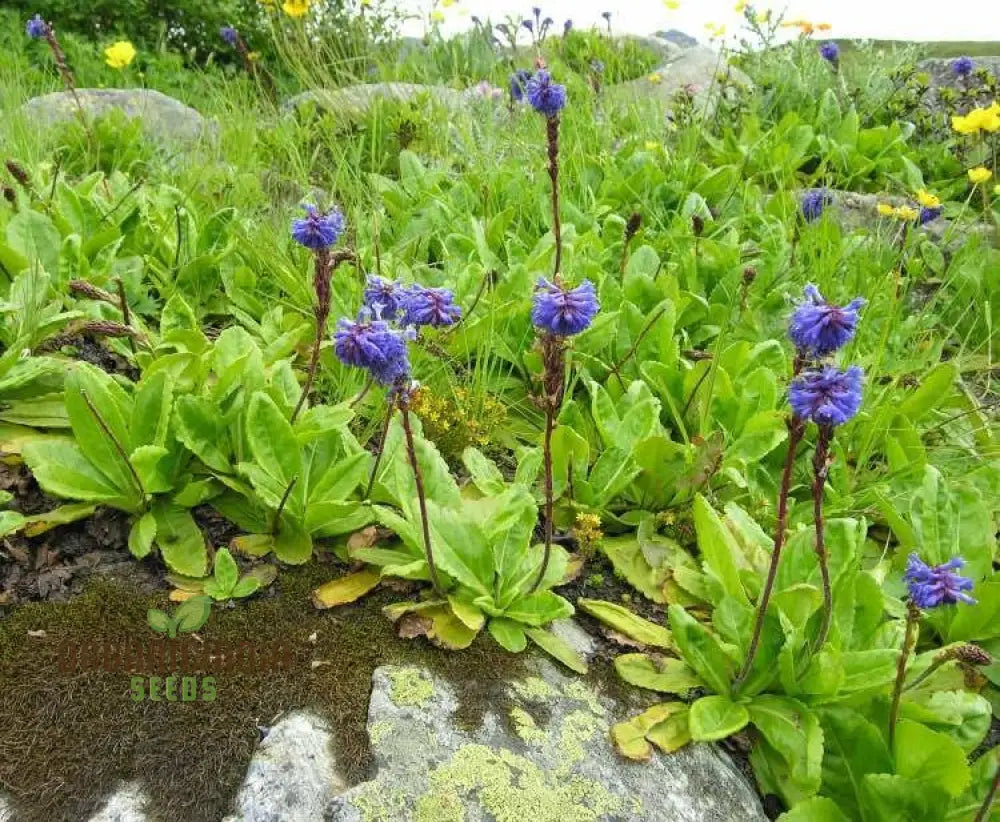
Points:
point(448, 3)
point(437, 16)
point(762, 16)
point(295, 8)
point(253, 56)
point(886, 210)
point(907, 213)
point(673, 5)
point(979, 119)
point(120, 54)
point(652, 146)
point(928, 200)
point(823, 27)
point(655, 77)
point(979, 174)
point(740, 6)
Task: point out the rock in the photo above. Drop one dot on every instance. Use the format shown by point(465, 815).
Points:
point(127, 804)
point(661, 47)
point(941, 73)
point(6, 811)
point(570, 632)
point(695, 72)
point(163, 118)
point(356, 102)
point(678, 38)
point(293, 774)
point(542, 753)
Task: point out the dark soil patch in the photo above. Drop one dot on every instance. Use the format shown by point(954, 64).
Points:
point(90, 349)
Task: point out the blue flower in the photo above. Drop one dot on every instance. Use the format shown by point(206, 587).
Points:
point(374, 346)
point(383, 297)
point(827, 396)
point(962, 66)
point(530, 26)
point(229, 34)
point(317, 230)
point(564, 311)
point(818, 327)
point(519, 84)
point(606, 15)
point(429, 306)
point(567, 27)
point(36, 27)
point(813, 202)
point(931, 586)
point(546, 97)
point(928, 215)
point(830, 51)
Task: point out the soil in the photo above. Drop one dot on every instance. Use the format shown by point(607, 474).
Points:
point(89, 348)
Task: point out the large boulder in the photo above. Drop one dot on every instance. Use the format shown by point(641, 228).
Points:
point(940, 72)
point(698, 74)
point(163, 118)
point(542, 753)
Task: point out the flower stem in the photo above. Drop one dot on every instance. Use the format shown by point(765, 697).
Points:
point(381, 450)
point(821, 467)
point(126, 315)
point(552, 126)
point(549, 502)
point(984, 811)
point(418, 477)
point(909, 640)
point(114, 441)
point(276, 519)
point(796, 428)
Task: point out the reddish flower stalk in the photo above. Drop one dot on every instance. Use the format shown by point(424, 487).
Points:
point(821, 468)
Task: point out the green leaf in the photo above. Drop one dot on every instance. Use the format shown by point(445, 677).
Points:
point(894, 798)
point(794, 733)
point(853, 747)
point(621, 619)
point(933, 389)
point(628, 559)
point(701, 650)
point(62, 470)
point(180, 540)
point(930, 756)
point(159, 621)
point(292, 543)
point(483, 471)
point(716, 717)
point(460, 548)
point(226, 573)
point(192, 614)
point(631, 738)
point(817, 809)
point(148, 462)
point(275, 451)
point(468, 613)
point(719, 548)
point(245, 587)
point(151, 411)
point(202, 430)
point(141, 535)
point(36, 239)
point(657, 673)
point(558, 649)
point(508, 634)
point(538, 609)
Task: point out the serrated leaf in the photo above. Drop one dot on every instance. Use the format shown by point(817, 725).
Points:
point(508, 634)
point(141, 535)
point(621, 619)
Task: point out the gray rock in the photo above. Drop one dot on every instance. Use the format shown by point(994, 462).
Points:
point(570, 632)
point(127, 804)
point(679, 38)
point(293, 774)
point(6, 811)
point(941, 74)
point(356, 102)
point(541, 754)
point(698, 72)
point(163, 118)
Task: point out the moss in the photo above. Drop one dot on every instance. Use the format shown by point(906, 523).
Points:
point(410, 688)
point(513, 789)
point(190, 758)
point(525, 727)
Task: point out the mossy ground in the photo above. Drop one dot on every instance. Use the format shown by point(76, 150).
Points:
point(69, 739)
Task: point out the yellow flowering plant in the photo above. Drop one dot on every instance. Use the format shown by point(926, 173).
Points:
point(979, 175)
point(295, 8)
point(928, 200)
point(119, 55)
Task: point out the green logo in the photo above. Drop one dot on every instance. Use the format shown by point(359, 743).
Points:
point(188, 617)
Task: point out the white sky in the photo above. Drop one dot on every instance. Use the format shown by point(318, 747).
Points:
point(883, 19)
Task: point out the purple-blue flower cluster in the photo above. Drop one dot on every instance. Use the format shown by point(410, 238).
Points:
point(934, 585)
point(229, 34)
point(546, 97)
point(318, 230)
point(563, 311)
point(830, 52)
point(818, 327)
point(373, 345)
point(928, 214)
point(827, 396)
point(413, 305)
point(519, 84)
point(36, 27)
point(963, 66)
point(813, 202)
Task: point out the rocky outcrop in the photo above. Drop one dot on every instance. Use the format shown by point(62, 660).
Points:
point(163, 118)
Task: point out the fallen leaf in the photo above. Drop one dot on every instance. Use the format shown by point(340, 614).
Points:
point(621, 619)
point(365, 538)
point(346, 589)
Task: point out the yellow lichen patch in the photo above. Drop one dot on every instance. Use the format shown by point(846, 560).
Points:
point(581, 692)
point(578, 728)
point(410, 688)
point(514, 789)
point(526, 728)
point(378, 731)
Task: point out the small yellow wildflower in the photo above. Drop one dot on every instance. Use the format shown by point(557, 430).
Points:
point(587, 530)
point(295, 8)
point(120, 54)
point(655, 77)
point(762, 17)
point(447, 4)
point(437, 16)
point(740, 7)
point(979, 175)
point(979, 119)
point(907, 213)
point(823, 27)
point(886, 210)
point(928, 200)
point(253, 56)
point(673, 5)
